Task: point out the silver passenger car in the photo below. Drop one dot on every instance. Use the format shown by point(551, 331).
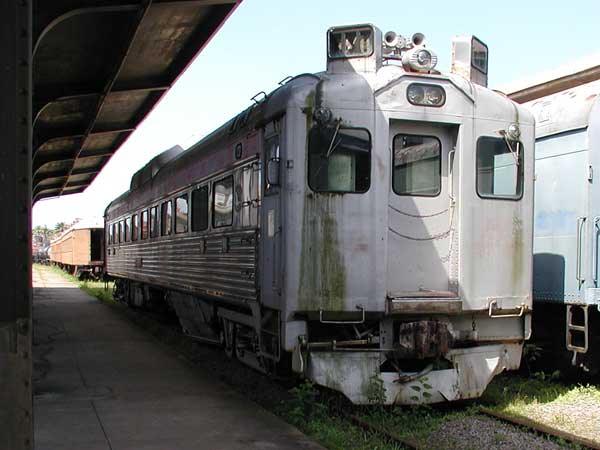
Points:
point(567, 224)
point(369, 226)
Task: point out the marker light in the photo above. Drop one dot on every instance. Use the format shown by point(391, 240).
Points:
point(426, 94)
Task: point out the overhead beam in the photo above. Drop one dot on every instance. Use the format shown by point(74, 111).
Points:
point(45, 97)
point(40, 176)
point(71, 133)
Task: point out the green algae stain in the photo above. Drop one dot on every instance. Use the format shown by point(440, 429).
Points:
point(322, 272)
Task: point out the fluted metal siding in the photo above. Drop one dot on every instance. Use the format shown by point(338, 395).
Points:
point(222, 265)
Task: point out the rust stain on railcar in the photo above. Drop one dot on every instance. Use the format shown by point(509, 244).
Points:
point(518, 248)
point(322, 271)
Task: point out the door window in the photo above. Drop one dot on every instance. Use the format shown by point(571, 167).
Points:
point(417, 165)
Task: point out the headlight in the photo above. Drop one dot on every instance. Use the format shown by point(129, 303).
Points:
point(426, 94)
point(419, 59)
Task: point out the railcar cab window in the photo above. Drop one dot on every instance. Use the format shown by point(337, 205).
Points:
point(200, 209)
point(166, 218)
point(339, 159)
point(144, 224)
point(417, 165)
point(499, 168)
point(135, 226)
point(223, 202)
point(181, 214)
point(154, 221)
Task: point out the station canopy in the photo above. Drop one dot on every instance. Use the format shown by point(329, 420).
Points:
point(99, 67)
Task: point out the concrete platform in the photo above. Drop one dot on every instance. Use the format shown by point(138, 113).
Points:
point(101, 383)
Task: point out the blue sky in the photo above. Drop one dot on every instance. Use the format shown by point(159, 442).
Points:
point(266, 40)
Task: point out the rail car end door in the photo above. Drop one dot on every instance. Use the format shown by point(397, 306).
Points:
point(271, 216)
point(422, 210)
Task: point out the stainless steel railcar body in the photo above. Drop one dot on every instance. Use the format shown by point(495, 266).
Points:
point(373, 223)
point(567, 221)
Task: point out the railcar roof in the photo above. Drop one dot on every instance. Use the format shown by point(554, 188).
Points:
point(98, 69)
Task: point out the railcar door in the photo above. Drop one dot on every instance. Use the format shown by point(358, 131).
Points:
point(422, 211)
point(271, 216)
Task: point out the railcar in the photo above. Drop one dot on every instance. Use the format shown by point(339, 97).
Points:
point(369, 226)
point(567, 226)
point(79, 250)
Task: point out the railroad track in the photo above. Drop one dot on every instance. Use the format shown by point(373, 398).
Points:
point(535, 427)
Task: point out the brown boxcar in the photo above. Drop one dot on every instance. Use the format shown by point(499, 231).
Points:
point(80, 251)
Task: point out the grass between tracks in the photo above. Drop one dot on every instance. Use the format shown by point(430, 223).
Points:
point(99, 289)
point(323, 414)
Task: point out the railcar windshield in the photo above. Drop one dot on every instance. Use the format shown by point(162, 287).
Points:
point(339, 159)
point(499, 168)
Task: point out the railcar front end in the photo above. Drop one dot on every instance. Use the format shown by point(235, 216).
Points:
point(409, 223)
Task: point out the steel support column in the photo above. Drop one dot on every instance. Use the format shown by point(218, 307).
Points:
point(16, 431)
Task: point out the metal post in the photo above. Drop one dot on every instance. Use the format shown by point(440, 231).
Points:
point(16, 431)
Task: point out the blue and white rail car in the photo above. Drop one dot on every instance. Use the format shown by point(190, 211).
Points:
point(371, 225)
point(567, 223)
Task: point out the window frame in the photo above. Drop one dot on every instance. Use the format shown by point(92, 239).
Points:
point(214, 192)
point(521, 174)
point(308, 165)
point(164, 211)
point(156, 228)
point(207, 211)
point(127, 229)
point(147, 213)
point(439, 165)
point(135, 227)
point(185, 196)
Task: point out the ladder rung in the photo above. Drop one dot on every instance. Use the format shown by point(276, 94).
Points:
point(577, 328)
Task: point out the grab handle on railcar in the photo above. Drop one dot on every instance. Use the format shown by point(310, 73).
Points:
point(344, 322)
point(595, 250)
point(502, 316)
point(578, 270)
point(451, 155)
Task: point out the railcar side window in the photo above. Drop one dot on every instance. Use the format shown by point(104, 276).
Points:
point(339, 159)
point(166, 218)
point(223, 202)
point(144, 225)
point(127, 229)
point(154, 221)
point(200, 209)
point(114, 233)
point(499, 168)
point(417, 165)
point(121, 234)
point(135, 226)
point(110, 234)
point(181, 214)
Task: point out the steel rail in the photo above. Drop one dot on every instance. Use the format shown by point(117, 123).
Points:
point(541, 428)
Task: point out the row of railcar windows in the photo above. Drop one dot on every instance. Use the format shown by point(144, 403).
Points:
point(176, 215)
